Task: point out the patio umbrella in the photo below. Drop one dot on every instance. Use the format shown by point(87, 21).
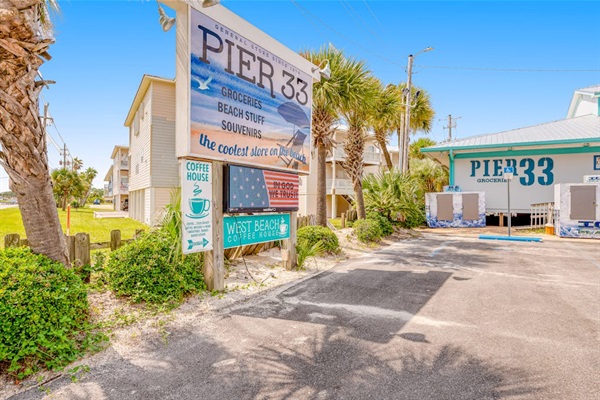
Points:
point(293, 114)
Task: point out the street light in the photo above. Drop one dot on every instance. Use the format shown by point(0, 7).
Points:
point(404, 165)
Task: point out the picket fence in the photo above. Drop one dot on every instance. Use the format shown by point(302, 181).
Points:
point(80, 248)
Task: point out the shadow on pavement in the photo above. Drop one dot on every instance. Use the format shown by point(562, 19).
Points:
point(331, 366)
point(370, 304)
point(439, 254)
point(188, 366)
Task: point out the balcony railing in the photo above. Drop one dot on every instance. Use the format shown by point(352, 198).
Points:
point(369, 157)
point(124, 164)
point(342, 186)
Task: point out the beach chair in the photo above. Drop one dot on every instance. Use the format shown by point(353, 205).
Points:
point(296, 144)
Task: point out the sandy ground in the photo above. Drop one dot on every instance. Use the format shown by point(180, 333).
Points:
point(130, 326)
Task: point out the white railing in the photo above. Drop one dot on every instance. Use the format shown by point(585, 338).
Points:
point(370, 157)
point(342, 186)
point(124, 164)
point(541, 214)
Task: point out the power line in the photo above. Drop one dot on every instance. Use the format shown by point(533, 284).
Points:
point(373, 15)
point(344, 36)
point(306, 13)
point(508, 69)
point(348, 7)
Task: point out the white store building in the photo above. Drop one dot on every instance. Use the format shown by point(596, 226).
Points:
point(542, 156)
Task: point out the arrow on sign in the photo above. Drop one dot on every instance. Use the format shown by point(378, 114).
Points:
point(191, 243)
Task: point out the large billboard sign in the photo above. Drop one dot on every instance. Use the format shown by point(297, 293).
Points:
point(248, 106)
point(250, 189)
point(196, 204)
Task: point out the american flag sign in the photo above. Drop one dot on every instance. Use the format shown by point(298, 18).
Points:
point(254, 189)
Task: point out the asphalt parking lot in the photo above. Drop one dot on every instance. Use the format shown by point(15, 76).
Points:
point(441, 316)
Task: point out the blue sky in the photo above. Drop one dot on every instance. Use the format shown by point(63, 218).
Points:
point(104, 47)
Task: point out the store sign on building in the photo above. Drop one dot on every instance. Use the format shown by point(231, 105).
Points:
point(252, 229)
point(196, 204)
point(258, 190)
point(534, 177)
point(248, 105)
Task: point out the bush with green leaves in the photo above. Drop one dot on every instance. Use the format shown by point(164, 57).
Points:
point(314, 234)
point(396, 196)
point(367, 230)
point(149, 270)
point(304, 250)
point(385, 224)
point(43, 313)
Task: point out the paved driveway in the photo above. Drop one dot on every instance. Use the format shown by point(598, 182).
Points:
point(437, 317)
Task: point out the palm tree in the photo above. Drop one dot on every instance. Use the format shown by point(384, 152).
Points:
point(25, 35)
point(416, 146)
point(77, 164)
point(357, 114)
point(66, 184)
point(329, 96)
point(386, 118)
point(87, 178)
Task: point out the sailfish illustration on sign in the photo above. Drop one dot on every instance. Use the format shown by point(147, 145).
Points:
point(294, 149)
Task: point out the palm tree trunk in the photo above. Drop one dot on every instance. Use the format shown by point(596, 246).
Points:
point(322, 131)
point(380, 137)
point(354, 147)
point(321, 186)
point(22, 136)
point(38, 210)
point(360, 200)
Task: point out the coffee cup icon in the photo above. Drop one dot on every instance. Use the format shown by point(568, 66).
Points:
point(199, 207)
point(283, 228)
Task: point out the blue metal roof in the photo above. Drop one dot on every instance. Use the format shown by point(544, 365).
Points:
point(584, 129)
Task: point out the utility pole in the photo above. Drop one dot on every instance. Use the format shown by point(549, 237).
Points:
point(405, 134)
point(451, 124)
point(45, 123)
point(65, 156)
point(409, 105)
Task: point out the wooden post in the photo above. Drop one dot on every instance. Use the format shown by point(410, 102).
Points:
point(343, 222)
point(501, 219)
point(82, 249)
point(214, 260)
point(288, 249)
point(70, 241)
point(82, 256)
point(12, 240)
point(115, 239)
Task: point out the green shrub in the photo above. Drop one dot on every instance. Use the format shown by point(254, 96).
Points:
point(145, 270)
point(367, 230)
point(304, 250)
point(414, 216)
point(43, 313)
point(314, 234)
point(384, 223)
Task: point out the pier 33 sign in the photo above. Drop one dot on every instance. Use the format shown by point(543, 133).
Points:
point(248, 105)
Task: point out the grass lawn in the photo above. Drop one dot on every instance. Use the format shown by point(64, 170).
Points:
point(337, 222)
point(82, 220)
